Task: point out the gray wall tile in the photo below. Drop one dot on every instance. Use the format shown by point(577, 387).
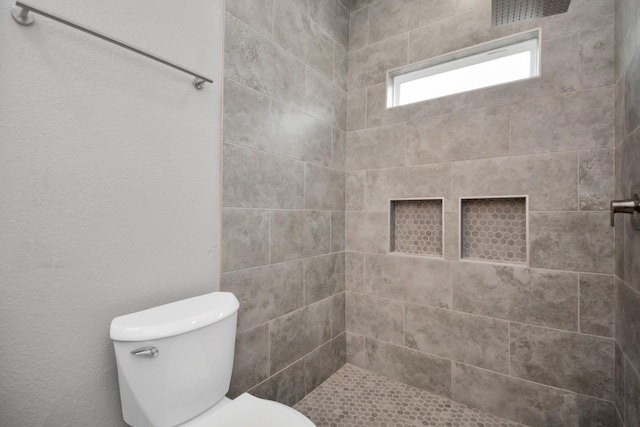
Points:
point(375, 317)
point(338, 149)
point(299, 234)
point(323, 188)
point(260, 180)
point(465, 135)
point(628, 323)
point(572, 121)
point(321, 363)
point(340, 66)
point(595, 412)
point(359, 30)
point(626, 32)
point(597, 304)
point(451, 236)
point(454, 33)
point(369, 66)
point(300, 136)
point(245, 238)
point(475, 340)
point(256, 62)
point(407, 183)
point(251, 362)
point(619, 379)
point(597, 57)
point(541, 297)
point(247, 117)
point(337, 232)
point(596, 181)
point(412, 279)
point(354, 191)
point(389, 18)
point(550, 180)
point(325, 100)
point(355, 350)
point(357, 109)
point(528, 403)
point(296, 334)
point(376, 148)
point(412, 367)
point(630, 177)
point(560, 241)
point(265, 292)
point(354, 271)
point(333, 17)
point(631, 396)
point(338, 314)
point(323, 277)
point(257, 14)
point(286, 387)
point(367, 232)
point(571, 361)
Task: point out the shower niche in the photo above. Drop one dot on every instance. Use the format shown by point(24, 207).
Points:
point(494, 229)
point(417, 227)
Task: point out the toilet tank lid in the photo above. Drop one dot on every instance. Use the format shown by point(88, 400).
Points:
point(174, 318)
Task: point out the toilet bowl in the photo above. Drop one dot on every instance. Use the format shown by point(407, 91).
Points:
point(174, 368)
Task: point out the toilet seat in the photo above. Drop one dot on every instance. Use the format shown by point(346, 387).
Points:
point(250, 411)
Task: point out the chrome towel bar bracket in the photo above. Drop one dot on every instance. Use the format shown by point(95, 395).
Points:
point(21, 14)
point(629, 206)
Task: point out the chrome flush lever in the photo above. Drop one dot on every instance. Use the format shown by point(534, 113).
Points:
point(629, 206)
point(149, 352)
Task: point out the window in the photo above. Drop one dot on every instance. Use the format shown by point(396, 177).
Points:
point(490, 64)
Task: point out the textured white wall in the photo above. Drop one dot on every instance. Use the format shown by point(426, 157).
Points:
point(109, 193)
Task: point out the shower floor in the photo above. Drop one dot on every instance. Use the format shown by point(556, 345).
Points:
point(355, 397)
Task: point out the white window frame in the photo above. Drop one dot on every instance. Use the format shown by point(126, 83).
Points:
point(507, 46)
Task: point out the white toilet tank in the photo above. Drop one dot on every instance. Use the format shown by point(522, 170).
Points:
point(185, 358)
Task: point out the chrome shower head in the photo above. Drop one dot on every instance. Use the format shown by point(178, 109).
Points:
point(510, 11)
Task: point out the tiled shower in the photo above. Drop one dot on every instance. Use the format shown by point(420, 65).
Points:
point(537, 322)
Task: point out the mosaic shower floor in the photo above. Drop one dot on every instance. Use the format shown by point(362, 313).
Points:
point(354, 397)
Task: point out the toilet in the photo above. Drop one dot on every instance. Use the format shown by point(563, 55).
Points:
point(174, 368)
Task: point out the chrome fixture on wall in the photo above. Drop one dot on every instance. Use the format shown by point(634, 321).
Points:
point(628, 206)
point(510, 11)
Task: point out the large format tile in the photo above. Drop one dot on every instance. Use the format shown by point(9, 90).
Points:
point(567, 360)
point(302, 37)
point(286, 387)
point(323, 188)
point(375, 317)
point(337, 232)
point(299, 234)
point(367, 232)
point(628, 323)
point(354, 271)
point(596, 412)
point(474, 340)
point(597, 304)
point(324, 362)
point(369, 66)
point(567, 122)
point(388, 18)
point(245, 238)
point(596, 180)
point(413, 279)
point(325, 100)
point(454, 33)
point(541, 297)
point(630, 179)
point(355, 350)
point(253, 60)
point(323, 277)
point(333, 17)
point(254, 179)
point(550, 180)
point(338, 314)
point(265, 292)
point(251, 361)
point(247, 117)
point(297, 334)
point(597, 57)
point(532, 404)
point(354, 190)
point(472, 134)
point(338, 149)
point(575, 241)
point(631, 396)
point(412, 367)
point(376, 148)
point(416, 182)
point(257, 14)
point(359, 29)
